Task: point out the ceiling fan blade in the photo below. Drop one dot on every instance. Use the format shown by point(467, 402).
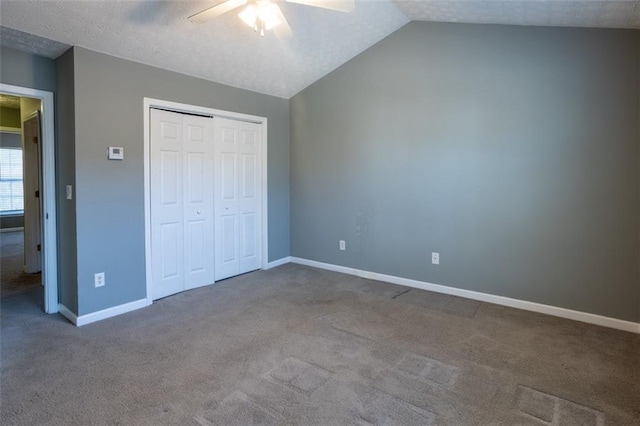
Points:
point(282, 30)
point(339, 5)
point(215, 11)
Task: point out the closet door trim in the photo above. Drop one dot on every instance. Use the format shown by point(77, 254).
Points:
point(150, 103)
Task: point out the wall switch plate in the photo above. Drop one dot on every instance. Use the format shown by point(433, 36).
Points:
point(435, 258)
point(116, 153)
point(343, 245)
point(69, 192)
point(99, 279)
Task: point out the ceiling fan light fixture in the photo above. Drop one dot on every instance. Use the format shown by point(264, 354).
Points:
point(249, 15)
point(263, 15)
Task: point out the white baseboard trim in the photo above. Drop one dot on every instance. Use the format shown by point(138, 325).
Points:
point(618, 324)
point(278, 262)
point(103, 314)
point(66, 312)
point(12, 229)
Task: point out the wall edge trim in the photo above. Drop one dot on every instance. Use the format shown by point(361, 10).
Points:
point(279, 262)
point(106, 313)
point(586, 317)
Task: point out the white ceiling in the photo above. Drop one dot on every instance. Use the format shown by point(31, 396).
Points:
point(225, 50)
point(549, 13)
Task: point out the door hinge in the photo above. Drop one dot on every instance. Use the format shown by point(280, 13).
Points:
point(35, 139)
point(37, 194)
point(39, 247)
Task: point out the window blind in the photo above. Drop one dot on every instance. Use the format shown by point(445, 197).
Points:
point(11, 190)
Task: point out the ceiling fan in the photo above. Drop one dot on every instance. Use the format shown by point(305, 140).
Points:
point(264, 15)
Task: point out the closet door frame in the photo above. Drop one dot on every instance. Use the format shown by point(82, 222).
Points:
point(150, 103)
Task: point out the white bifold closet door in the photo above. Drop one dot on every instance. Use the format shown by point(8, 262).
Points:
point(182, 215)
point(238, 197)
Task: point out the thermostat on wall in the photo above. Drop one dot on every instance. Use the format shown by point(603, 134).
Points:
point(116, 153)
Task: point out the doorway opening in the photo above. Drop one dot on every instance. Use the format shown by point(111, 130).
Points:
point(27, 196)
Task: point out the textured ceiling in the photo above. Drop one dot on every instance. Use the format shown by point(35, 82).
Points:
point(556, 13)
point(225, 50)
point(31, 43)
point(8, 101)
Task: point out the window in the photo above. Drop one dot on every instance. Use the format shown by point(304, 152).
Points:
point(11, 195)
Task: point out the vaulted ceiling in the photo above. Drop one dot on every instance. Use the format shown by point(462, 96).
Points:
point(225, 50)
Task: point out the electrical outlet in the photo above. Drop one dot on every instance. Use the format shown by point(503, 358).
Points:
point(343, 245)
point(435, 258)
point(99, 279)
point(69, 192)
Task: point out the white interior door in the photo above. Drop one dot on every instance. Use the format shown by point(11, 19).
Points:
point(198, 207)
point(250, 200)
point(181, 202)
point(32, 165)
point(238, 221)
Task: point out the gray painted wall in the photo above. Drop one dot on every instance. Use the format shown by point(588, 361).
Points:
point(26, 70)
point(109, 96)
point(65, 175)
point(511, 151)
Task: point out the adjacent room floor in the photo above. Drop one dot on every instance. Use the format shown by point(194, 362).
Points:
point(298, 345)
point(18, 286)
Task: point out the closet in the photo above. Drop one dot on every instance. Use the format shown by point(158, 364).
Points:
point(205, 194)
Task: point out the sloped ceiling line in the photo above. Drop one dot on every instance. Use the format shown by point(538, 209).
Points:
point(226, 51)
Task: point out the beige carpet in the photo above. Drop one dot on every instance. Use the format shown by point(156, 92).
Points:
point(297, 345)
